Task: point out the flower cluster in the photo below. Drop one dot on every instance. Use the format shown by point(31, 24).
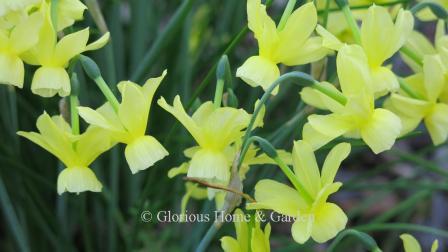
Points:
point(366, 100)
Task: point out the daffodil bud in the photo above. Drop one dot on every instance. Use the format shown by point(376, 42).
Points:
point(90, 67)
point(342, 3)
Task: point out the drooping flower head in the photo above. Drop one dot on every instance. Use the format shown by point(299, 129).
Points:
point(293, 45)
point(432, 107)
point(247, 238)
point(15, 41)
point(358, 118)
point(53, 56)
point(214, 129)
point(128, 124)
point(381, 38)
point(317, 219)
point(77, 152)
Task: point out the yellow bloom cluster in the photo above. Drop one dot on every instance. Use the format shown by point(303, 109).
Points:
point(368, 101)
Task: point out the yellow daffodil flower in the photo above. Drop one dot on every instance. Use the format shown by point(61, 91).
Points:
point(293, 45)
point(381, 38)
point(53, 56)
point(128, 124)
point(7, 6)
point(251, 158)
point(421, 46)
point(317, 219)
point(358, 118)
point(431, 108)
point(13, 43)
point(68, 11)
point(410, 244)
point(259, 239)
point(214, 129)
point(77, 152)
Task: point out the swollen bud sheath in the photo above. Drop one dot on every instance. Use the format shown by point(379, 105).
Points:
point(90, 67)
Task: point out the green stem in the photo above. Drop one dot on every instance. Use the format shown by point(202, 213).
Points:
point(208, 237)
point(366, 240)
point(326, 11)
point(74, 114)
point(352, 23)
point(411, 54)
point(304, 80)
point(364, 6)
point(408, 90)
point(54, 13)
point(292, 177)
point(403, 226)
point(286, 13)
point(163, 40)
point(218, 93)
point(107, 93)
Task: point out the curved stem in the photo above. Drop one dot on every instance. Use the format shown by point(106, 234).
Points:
point(408, 90)
point(366, 240)
point(403, 226)
point(286, 13)
point(352, 24)
point(107, 93)
point(411, 54)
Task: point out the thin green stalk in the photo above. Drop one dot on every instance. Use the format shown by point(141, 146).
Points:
point(303, 80)
point(326, 11)
point(208, 237)
point(107, 93)
point(409, 203)
point(54, 13)
point(218, 93)
point(402, 227)
point(94, 73)
point(12, 219)
point(366, 240)
point(286, 13)
point(293, 179)
point(345, 8)
point(163, 40)
point(74, 103)
point(408, 89)
point(364, 6)
point(411, 54)
point(427, 165)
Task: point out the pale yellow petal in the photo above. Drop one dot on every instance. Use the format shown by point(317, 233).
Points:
point(281, 198)
point(312, 50)
point(332, 125)
point(305, 167)
point(100, 43)
point(435, 246)
point(301, 229)
point(77, 180)
point(329, 40)
point(70, 46)
point(69, 11)
point(210, 165)
point(315, 138)
point(143, 152)
point(383, 81)
point(437, 123)
point(410, 244)
point(26, 34)
point(434, 76)
point(381, 130)
point(259, 71)
point(179, 113)
point(241, 229)
point(133, 110)
point(329, 220)
point(12, 71)
point(49, 81)
point(353, 71)
point(333, 162)
point(297, 30)
point(320, 100)
point(229, 244)
point(92, 143)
